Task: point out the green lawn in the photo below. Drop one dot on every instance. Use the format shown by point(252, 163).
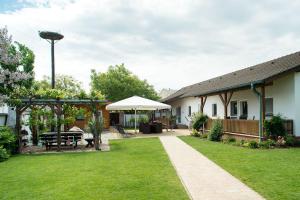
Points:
point(273, 173)
point(133, 169)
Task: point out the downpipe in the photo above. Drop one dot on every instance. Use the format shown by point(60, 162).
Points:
point(259, 95)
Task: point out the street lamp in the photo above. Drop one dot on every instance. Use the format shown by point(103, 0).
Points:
point(51, 37)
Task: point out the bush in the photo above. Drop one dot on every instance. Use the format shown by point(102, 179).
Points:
point(198, 120)
point(216, 131)
point(290, 140)
point(195, 133)
point(274, 127)
point(229, 140)
point(204, 136)
point(7, 139)
point(253, 145)
point(268, 144)
point(3, 154)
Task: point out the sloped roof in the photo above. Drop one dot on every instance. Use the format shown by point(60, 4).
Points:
point(261, 73)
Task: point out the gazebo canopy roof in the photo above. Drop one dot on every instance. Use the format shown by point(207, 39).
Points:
point(137, 103)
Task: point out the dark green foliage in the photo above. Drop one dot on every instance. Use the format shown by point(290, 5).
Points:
point(119, 83)
point(268, 144)
point(253, 145)
point(274, 127)
point(3, 154)
point(198, 120)
point(7, 142)
point(291, 140)
point(216, 131)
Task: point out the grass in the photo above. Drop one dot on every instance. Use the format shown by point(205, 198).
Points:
point(133, 169)
point(274, 173)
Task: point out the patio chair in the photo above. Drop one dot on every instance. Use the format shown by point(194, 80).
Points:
point(121, 130)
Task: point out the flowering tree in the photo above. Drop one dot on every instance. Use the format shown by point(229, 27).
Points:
point(16, 66)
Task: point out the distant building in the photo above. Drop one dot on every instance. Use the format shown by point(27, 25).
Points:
point(166, 92)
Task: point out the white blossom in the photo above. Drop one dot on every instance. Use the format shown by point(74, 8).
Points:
point(9, 78)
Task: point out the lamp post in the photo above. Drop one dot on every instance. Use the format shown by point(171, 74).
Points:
point(51, 37)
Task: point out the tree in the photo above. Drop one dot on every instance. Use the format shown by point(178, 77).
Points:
point(64, 83)
point(119, 83)
point(16, 66)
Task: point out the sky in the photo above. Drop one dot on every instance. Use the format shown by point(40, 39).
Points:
point(170, 43)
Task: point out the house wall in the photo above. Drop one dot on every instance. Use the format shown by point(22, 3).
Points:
point(184, 103)
point(285, 92)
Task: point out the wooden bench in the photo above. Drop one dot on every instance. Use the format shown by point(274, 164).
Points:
point(49, 139)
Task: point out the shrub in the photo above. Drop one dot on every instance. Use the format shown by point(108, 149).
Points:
point(253, 145)
point(216, 131)
point(274, 127)
point(267, 144)
point(3, 154)
point(204, 136)
point(229, 140)
point(290, 140)
point(198, 120)
point(195, 133)
point(7, 139)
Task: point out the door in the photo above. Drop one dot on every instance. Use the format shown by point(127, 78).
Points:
point(178, 114)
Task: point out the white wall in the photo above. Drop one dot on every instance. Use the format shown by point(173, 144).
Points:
point(208, 106)
point(283, 93)
point(184, 104)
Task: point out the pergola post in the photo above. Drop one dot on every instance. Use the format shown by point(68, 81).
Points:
point(19, 111)
point(58, 125)
point(225, 100)
point(18, 128)
point(97, 124)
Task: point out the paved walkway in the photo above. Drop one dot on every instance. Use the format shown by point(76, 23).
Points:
point(202, 178)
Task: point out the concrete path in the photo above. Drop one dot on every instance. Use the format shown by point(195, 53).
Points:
point(202, 178)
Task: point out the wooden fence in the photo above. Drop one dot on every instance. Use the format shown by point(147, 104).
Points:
point(248, 127)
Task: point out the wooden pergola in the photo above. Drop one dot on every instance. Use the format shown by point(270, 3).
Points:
point(56, 106)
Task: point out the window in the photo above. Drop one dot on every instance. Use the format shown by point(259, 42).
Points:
point(214, 110)
point(269, 107)
point(243, 110)
point(233, 108)
point(178, 114)
point(190, 111)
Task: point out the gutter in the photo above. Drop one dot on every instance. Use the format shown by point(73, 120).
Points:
point(259, 95)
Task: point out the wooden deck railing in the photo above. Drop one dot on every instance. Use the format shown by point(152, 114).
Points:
point(249, 127)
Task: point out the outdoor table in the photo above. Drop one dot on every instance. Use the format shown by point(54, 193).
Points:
point(89, 142)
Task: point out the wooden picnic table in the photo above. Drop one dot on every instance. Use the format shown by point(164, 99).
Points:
point(49, 139)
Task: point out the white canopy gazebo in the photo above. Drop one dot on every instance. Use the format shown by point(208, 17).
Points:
point(137, 103)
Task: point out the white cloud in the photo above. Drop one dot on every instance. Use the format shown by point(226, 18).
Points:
point(169, 43)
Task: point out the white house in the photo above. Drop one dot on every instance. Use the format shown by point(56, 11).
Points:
point(235, 95)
